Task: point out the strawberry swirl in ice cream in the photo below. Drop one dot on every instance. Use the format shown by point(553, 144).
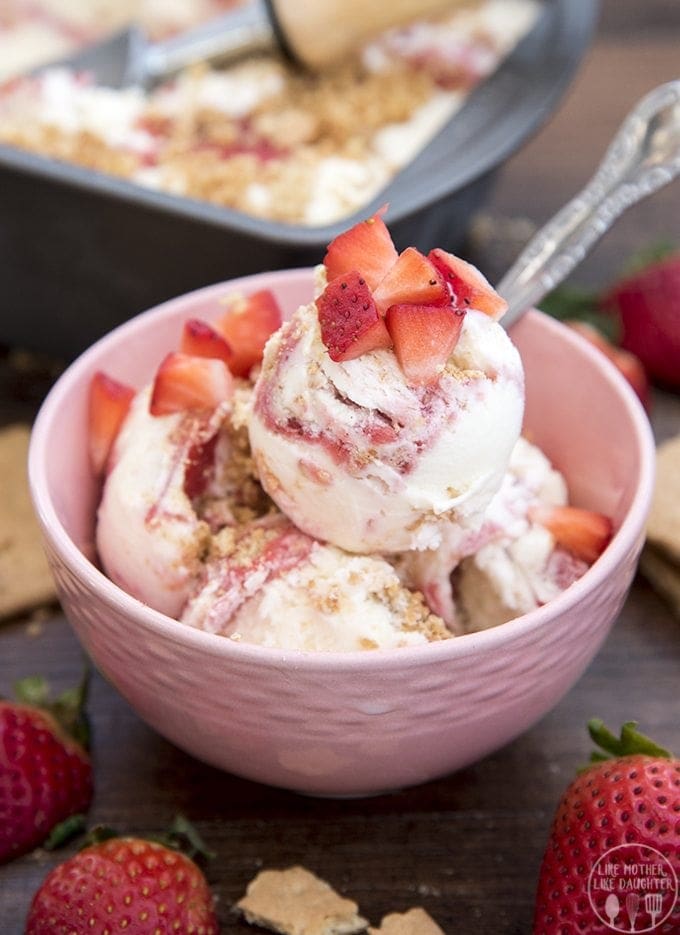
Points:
point(266, 582)
point(379, 443)
point(351, 479)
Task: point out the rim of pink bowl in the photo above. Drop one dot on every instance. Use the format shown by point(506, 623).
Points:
point(459, 646)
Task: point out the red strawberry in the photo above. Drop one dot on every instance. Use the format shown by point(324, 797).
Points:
point(123, 884)
point(199, 339)
point(413, 280)
point(185, 382)
point(367, 247)
point(45, 774)
point(109, 403)
point(424, 336)
point(582, 532)
point(470, 289)
point(350, 323)
point(648, 306)
point(615, 837)
point(247, 326)
point(628, 364)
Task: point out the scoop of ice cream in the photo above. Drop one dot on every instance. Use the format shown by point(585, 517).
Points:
point(172, 480)
point(358, 457)
point(268, 583)
point(510, 565)
point(505, 580)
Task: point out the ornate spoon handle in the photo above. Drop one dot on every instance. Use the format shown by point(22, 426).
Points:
point(644, 156)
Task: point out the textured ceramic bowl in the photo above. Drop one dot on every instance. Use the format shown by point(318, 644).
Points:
point(354, 723)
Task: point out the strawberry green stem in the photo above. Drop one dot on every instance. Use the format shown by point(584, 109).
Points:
point(68, 708)
point(629, 743)
point(66, 830)
point(181, 836)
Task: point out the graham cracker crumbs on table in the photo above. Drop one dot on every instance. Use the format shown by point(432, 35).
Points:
point(25, 579)
point(296, 902)
point(663, 525)
point(414, 922)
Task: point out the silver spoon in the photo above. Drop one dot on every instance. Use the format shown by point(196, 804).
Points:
point(643, 157)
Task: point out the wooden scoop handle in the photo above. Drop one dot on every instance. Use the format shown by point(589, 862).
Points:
point(322, 32)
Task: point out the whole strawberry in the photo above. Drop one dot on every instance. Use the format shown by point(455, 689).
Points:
point(648, 306)
point(124, 884)
point(613, 858)
point(45, 773)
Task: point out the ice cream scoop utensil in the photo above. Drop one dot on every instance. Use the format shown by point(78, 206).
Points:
point(643, 157)
point(314, 34)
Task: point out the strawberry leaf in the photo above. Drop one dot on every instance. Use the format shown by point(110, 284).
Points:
point(68, 708)
point(194, 845)
point(654, 253)
point(62, 833)
point(630, 742)
point(570, 303)
point(32, 690)
point(98, 834)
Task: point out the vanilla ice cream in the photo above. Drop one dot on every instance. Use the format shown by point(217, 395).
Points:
point(173, 480)
point(268, 583)
point(357, 457)
point(510, 565)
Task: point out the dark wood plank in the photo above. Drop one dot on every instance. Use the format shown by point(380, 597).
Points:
point(466, 847)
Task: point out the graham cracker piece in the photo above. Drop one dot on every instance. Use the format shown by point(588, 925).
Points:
point(414, 922)
point(25, 579)
point(296, 902)
point(663, 526)
point(663, 574)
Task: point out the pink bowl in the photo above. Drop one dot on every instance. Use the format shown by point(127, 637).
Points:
point(349, 723)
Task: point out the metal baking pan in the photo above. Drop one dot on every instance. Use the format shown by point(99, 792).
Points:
point(81, 251)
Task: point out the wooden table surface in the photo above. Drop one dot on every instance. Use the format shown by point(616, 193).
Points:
point(467, 847)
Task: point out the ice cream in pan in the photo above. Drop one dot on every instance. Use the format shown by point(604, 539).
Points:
point(353, 478)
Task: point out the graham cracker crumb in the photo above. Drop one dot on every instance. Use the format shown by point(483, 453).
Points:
point(410, 609)
point(366, 643)
point(296, 902)
point(264, 164)
point(242, 545)
point(414, 922)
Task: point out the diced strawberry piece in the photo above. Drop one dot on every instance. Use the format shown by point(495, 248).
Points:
point(247, 326)
point(424, 336)
point(366, 247)
point(350, 323)
point(412, 280)
point(628, 364)
point(199, 339)
point(584, 533)
point(470, 289)
point(108, 405)
point(184, 382)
